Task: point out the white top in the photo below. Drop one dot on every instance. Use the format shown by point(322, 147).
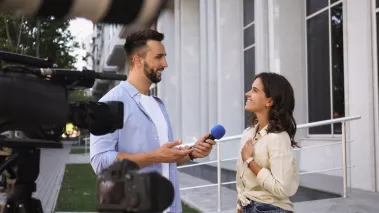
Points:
point(154, 111)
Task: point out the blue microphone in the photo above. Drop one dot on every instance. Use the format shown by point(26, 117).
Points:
point(217, 132)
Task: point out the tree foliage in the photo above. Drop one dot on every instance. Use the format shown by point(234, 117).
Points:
point(43, 38)
point(78, 95)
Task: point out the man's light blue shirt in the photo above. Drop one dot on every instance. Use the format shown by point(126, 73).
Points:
point(138, 135)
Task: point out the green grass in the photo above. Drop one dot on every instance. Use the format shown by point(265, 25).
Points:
point(79, 151)
point(78, 190)
point(187, 209)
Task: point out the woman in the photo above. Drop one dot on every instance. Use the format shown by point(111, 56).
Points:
point(267, 170)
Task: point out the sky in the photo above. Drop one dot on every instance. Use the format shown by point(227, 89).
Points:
point(81, 29)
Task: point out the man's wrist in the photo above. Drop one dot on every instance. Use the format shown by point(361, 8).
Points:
point(191, 156)
point(152, 155)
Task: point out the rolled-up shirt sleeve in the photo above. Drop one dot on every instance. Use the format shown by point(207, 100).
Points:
point(282, 179)
point(103, 151)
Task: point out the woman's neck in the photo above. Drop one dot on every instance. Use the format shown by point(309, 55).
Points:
point(262, 122)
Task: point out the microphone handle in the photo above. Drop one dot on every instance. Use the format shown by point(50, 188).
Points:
point(210, 137)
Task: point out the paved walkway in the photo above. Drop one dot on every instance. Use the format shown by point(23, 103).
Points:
point(78, 158)
point(49, 181)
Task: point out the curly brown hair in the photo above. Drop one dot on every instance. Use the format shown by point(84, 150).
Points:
point(281, 117)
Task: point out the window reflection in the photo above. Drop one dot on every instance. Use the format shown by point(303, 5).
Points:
point(337, 65)
point(325, 63)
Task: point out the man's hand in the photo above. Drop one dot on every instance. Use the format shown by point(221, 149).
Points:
point(168, 154)
point(202, 148)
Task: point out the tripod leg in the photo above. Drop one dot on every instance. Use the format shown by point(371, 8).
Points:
point(19, 196)
point(36, 205)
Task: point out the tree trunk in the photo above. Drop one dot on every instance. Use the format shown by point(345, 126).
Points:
point(38, 37)
point(19, 33)
point(7, 31)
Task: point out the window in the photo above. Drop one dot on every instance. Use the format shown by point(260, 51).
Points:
point(325, 63)
point(249, 46)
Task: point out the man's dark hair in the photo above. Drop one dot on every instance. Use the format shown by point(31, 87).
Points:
point(136, 42)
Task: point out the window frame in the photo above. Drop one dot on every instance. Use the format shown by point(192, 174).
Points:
point(244, 49)
point(375, 70)
point(307, 17)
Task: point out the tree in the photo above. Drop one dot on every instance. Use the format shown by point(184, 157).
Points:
point(78, 95)
point(43, 37)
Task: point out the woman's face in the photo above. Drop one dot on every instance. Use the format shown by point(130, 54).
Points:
point(256, 98)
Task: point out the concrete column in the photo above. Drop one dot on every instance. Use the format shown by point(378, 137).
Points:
point(261, 36)
point(190, 69)
point(204, 77)
point(212, 61)
point(287, 50)
point(359, 90)
point(230, 75)
point(169, 88)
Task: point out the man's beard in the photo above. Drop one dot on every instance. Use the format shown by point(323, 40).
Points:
point(152, 74)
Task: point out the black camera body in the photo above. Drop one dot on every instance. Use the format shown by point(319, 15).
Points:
point(122, 186)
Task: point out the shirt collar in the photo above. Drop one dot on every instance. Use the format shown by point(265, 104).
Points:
point(133, 92)
point(263, 131)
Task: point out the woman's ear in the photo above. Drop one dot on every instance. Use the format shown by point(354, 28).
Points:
point(270, 102)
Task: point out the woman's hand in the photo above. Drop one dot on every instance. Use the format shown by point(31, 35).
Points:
point(247, 150)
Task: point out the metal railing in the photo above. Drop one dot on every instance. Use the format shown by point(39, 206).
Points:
point(301, 126)
point(86, 140)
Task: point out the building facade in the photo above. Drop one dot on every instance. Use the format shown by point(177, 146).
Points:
point(327, 49)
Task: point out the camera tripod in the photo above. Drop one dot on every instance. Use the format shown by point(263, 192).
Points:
point(25, 158)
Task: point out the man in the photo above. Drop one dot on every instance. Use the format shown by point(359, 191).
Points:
point(147, 129)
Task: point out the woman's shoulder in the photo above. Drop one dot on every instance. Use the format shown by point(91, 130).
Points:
point(247, 131)
point(279, 138)
point(246, 134)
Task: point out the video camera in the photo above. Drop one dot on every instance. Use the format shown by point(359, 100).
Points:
point(34, 100)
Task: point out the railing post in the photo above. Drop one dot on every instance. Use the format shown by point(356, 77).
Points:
point(218, 178)
point(85, 146)
point(344, 164)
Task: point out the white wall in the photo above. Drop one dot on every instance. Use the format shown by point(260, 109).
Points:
point(376, 86)
point(230, 75)
point(360, 96)
point(287, 50)
point(201, 87)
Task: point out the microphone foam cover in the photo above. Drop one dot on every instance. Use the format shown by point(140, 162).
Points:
point(218, 131)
